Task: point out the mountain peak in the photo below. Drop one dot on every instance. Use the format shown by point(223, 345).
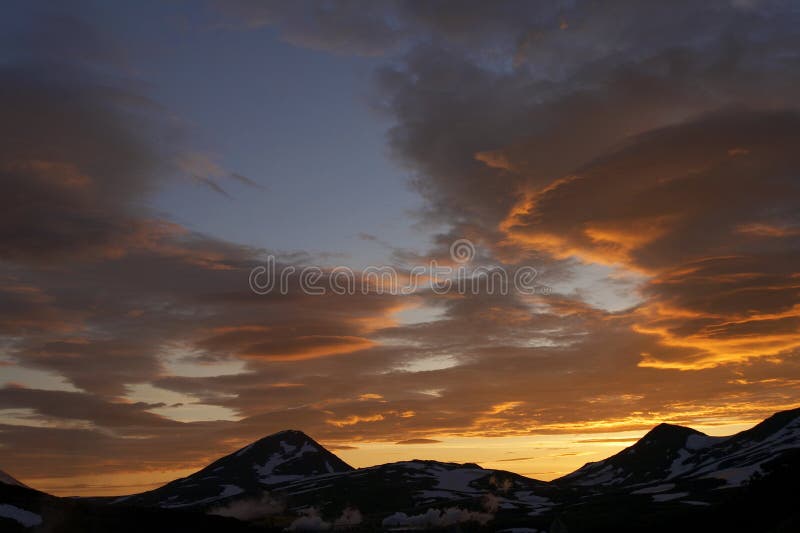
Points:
point(651, 457)
point(668, 452)
point(292, 435)
point(285, 432)
point(281, 457)
point(669, 435)
point(289, 453)
point(666, 426)
point(10, 480)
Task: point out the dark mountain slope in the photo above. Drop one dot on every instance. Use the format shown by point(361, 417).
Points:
point(26, 510)
point(651, 459)
point(279, 458)
point(8, 479)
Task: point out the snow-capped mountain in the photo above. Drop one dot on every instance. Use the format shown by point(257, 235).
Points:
point(418, 485)
point(279, 458)
point(737, 459)
point(675, 456)
point(647, 460)
point(669, 464)
point(674, 478)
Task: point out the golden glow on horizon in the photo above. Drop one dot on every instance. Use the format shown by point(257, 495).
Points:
point(545, 456)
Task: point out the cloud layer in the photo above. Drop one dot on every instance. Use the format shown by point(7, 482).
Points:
point(658, 147)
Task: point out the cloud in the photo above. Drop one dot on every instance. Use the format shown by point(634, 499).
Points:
point(714, 295)
point(265, 345)
point(418, 441)
point(79, 406)
point(203, 169)
point(68, 202)
point(336, 447)
point(656, 143)
point(245, 180)
point(211, 184)
point(582, 441)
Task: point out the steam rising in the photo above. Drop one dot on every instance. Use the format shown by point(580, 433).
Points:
point(251, 509)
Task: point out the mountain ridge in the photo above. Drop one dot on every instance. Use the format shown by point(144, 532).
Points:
point(671, 475)
point(647, 459)
point(669, 452)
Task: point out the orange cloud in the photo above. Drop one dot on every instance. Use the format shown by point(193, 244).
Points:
point(758, 229)
point(353, 420)
point(662, 207)
point(307, 347)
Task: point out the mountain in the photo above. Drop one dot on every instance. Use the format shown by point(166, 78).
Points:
point(413, 487)
point(672, 475)
point(674, 478)
point(736, 460)
point(25, 510)
point(9, 480)
point(289, 470)
point(286, 456)
point(671, 460)
point(652, 458)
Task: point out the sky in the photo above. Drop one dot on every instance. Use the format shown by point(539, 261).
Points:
point(639, 158)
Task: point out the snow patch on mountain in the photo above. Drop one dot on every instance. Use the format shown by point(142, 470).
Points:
point(290, 452)
point(656, 489)
point(736, 477)
point(669, 496)
point(25, 518)
point(458, 479)
point(226, 492)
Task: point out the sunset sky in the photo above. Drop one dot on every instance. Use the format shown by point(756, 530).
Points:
point(643, 157)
